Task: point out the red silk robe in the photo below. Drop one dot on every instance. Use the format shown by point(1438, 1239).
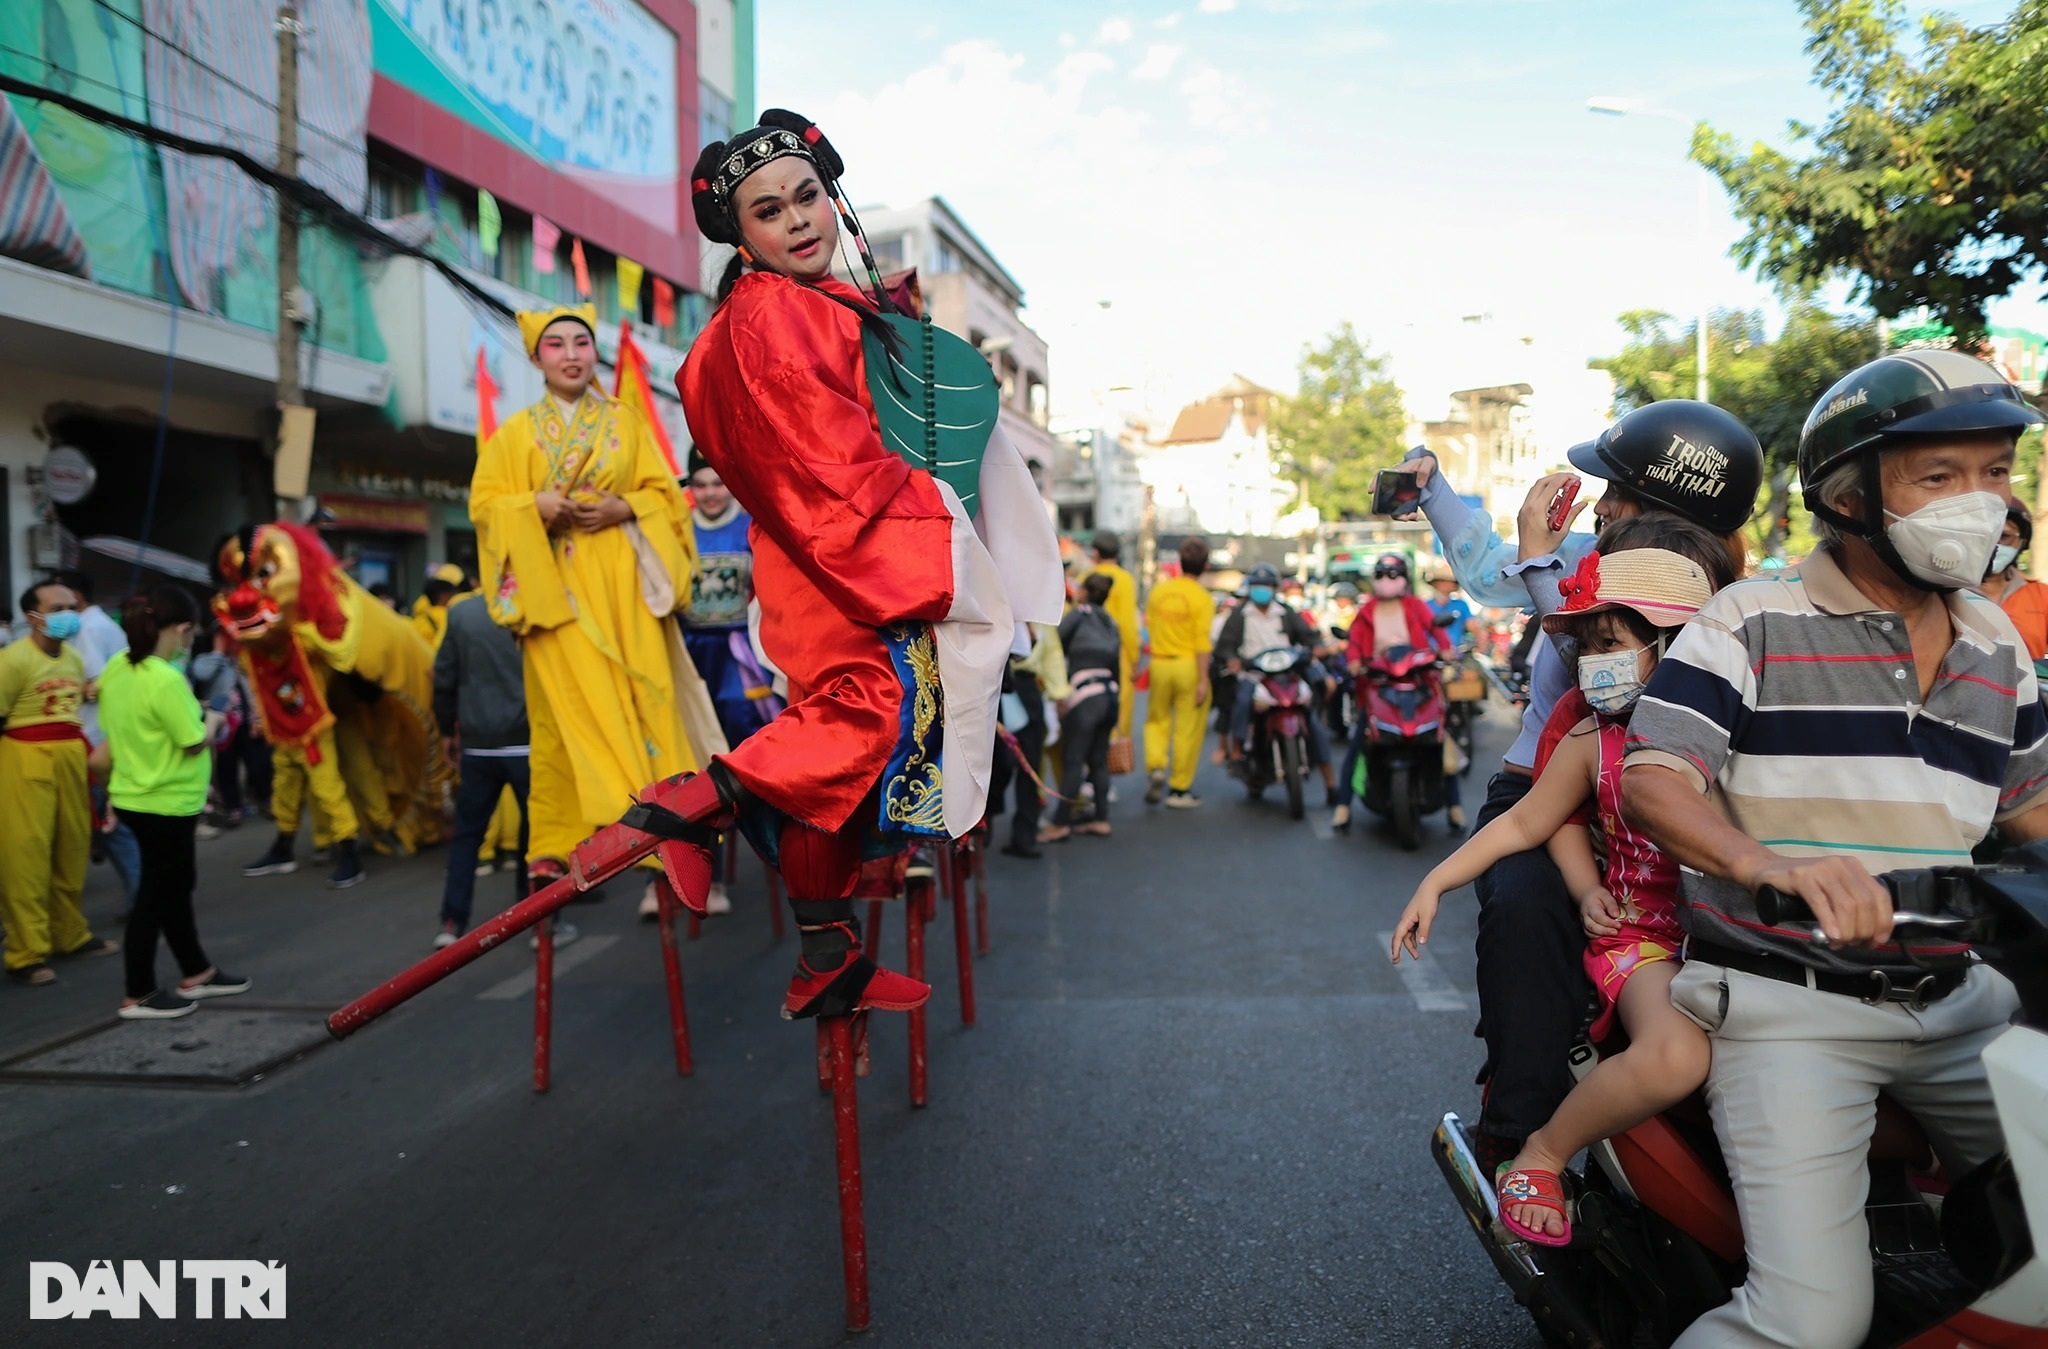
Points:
point(847, 537)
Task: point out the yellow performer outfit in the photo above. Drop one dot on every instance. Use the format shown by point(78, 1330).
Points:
point(1122, 606)
point(1178, 614)
point(606, 673)
point(45, 809)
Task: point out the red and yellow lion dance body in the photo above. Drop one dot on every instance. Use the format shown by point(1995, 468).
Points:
point(343, 689)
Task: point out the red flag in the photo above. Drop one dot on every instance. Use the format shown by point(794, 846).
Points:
point(634, 389)
point(664, 304)
point(486, 402)
point(582, 268)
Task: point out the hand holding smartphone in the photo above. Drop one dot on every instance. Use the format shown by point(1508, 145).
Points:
point(1561, 509)
point(1395, 492)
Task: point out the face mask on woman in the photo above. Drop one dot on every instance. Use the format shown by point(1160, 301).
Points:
point(1388, 587)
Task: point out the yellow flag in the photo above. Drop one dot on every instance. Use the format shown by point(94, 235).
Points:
point(630, 273)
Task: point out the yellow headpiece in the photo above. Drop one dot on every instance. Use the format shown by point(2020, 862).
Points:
point(533, 322)
point(449, 572)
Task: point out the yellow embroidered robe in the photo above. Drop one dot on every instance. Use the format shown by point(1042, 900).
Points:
point(604, 662)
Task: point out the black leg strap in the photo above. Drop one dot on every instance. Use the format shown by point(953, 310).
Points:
point(664, 823)
point(841, 996)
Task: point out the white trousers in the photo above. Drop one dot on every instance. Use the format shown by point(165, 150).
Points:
point(1793, 1092)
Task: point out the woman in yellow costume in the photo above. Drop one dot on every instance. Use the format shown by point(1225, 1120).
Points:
point(585, 556)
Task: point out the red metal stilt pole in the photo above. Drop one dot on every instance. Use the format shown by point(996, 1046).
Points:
point(543, 1001)
point(696, 927)
point(979, 860)
point(672, 970)
point(853, 1233)
point(913, 916)
point(963, 952)
point(774, 898)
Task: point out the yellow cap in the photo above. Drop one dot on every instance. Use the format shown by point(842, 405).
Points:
point(534, 322)
point(448, 572)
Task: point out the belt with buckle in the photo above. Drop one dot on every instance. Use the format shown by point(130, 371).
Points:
point(1914, 989)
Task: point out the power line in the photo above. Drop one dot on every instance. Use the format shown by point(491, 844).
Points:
point(304, 194)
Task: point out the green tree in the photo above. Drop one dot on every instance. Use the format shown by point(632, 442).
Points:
point(1771, 384)
point(1929, 183)
point(1341, 426)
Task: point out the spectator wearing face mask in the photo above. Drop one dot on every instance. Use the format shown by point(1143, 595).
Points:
point(2024, 600)
point(1392, 618)
point(45, 808)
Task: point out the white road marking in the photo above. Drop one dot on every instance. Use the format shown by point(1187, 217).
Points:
point(1432, 991)
point(566, 959)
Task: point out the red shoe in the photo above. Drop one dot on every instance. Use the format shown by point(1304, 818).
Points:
point(856, 984)
point(688, 866)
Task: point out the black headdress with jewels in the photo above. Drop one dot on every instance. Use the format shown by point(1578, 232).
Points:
point(723, 165)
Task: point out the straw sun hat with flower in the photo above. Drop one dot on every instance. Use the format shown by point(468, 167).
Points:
point(1661, 586)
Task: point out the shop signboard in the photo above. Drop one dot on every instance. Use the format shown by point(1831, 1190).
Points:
point(585, 104)
point(373, 514)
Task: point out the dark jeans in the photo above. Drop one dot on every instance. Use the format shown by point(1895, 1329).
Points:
point(484, 779)
point(244, 753)
point(163, 901)
point(1085, 732)
point(1533, 990)
point(1005, 770)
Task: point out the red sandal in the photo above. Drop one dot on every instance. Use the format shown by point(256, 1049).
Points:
point(1543, 1189)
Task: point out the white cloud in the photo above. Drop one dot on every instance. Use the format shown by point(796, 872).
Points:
point(1216, 6)
point(1158, 62)
point(1168, 20)
point(1115, 30)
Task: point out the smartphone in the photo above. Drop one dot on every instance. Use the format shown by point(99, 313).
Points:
point(1561, 509)
point(1395, 492)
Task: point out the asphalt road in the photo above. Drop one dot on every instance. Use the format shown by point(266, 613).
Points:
point(1195, 1112)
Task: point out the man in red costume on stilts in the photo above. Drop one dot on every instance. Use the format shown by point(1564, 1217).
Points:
point(892, 593)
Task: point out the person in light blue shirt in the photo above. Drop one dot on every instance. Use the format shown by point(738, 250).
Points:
point(1689, 458)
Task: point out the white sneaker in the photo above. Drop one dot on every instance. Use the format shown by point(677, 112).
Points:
point(158, 1006)
point(486, 868)
point(204, 831)
point(650, 904)
point(717, 901)
point(565, 933)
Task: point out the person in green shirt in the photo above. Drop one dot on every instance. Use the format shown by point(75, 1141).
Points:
point(157, 737)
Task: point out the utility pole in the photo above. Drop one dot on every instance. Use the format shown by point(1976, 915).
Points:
point(294, 438)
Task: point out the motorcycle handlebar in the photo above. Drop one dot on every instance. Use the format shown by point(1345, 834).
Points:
point(1931, 893)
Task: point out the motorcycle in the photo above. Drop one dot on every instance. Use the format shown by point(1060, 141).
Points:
point(1657, 1242)
point(1401, 699)
point(1282, 703)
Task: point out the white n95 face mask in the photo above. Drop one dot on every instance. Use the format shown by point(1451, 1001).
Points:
point(1611, 682)
point(1948, 543)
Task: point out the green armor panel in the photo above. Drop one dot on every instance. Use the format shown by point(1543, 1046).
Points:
point(937, 405)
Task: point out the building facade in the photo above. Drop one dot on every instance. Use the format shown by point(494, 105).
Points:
point(536, 150)
point(1213, 472)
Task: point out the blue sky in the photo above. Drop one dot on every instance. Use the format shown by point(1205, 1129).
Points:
point(1238, 176)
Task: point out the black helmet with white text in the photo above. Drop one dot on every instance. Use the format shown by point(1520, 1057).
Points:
point(1690, 458)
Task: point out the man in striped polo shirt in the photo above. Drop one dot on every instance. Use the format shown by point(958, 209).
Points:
point(1859, 713)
